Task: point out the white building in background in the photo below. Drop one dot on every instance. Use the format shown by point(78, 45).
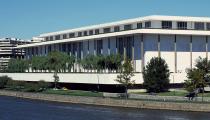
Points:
point(7, 50)
point(178, 40)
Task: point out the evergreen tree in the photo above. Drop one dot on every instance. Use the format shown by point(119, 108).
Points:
point(156, 75)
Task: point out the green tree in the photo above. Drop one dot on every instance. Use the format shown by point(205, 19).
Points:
point(70, 62)
point(156, 75)
point(55, 61)
point(17, 65)
point(124, 78)
point(113, 62)
point(198, 77)
point(4, 80)
point(39, 63)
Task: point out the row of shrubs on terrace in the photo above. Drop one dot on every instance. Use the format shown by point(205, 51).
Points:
point(62, 62)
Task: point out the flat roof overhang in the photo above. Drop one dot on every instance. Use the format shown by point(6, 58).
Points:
point(122, 33)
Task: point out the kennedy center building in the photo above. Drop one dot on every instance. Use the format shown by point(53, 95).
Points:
point(177, 39)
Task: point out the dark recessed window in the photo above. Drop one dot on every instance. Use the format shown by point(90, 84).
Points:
point(128, 27)
point(107, 30)
point(85, 33)
point(57, 37)
point(51, 38)
point(116, 28)
point(79, 34)
point(64, 36)
point(91, 32)
point(47, 38)
point(71, 35)
point(167, 24)
point(199, 26)
point(139, 25)
point(148, 24)
point(208, 26)
point(97, 31)
point(182, 25)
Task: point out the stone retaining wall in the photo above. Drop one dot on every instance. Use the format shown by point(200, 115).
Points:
point(110, 101)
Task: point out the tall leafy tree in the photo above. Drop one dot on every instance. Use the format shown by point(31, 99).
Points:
point(56, 62)
point(156, 75)
point(126, 74)
point(199, 76)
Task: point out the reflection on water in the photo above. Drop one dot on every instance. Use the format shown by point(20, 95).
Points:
point(21, 109)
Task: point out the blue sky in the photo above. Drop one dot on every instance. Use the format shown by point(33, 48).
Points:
point(27, 18)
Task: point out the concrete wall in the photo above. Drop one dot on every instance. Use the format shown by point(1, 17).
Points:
point(89, 78)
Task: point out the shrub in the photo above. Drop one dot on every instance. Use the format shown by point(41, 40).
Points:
point(28, 86)
point(4, 80)
point(156, 75)
point(15, 85)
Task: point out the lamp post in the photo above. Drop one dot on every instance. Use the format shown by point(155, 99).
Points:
point(173, 81)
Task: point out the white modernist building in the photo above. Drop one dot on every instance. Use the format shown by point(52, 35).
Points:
point(179, 40)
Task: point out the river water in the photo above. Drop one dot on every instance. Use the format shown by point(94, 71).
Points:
point(22, 109)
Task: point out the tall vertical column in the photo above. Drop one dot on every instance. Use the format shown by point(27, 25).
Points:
point(159, 46)
point(76, 56)
point(133, 50)
point(109, 46)
point(88, 52)
point(116, 45)
point(66, 49)
point(207, 48)
point(124, 48)
point(142, 52)
point(191, 51)
point(95, 47)
point(101, 46)
point(175, 54)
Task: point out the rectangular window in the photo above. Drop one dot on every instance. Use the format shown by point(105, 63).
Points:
point(57, 37)
point(51, 38)
point(139, 25)
point(167, 24)
point(128, 27)
point(47, 39)
point(91, 32)
point(148, 24)
point(97, 31)
point(79, 34)
point(85, 33)
point(116, 29)
point(71, 35)
point(107, 30)
point(63, 47)
point(64, 36)
point(208, 26)
point(199, 26)
point(181, 25)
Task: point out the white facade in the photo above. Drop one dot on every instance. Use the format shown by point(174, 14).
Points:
point(178, 40)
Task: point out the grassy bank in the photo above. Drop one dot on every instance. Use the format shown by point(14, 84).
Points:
point(74, 92)
point(180, 93)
